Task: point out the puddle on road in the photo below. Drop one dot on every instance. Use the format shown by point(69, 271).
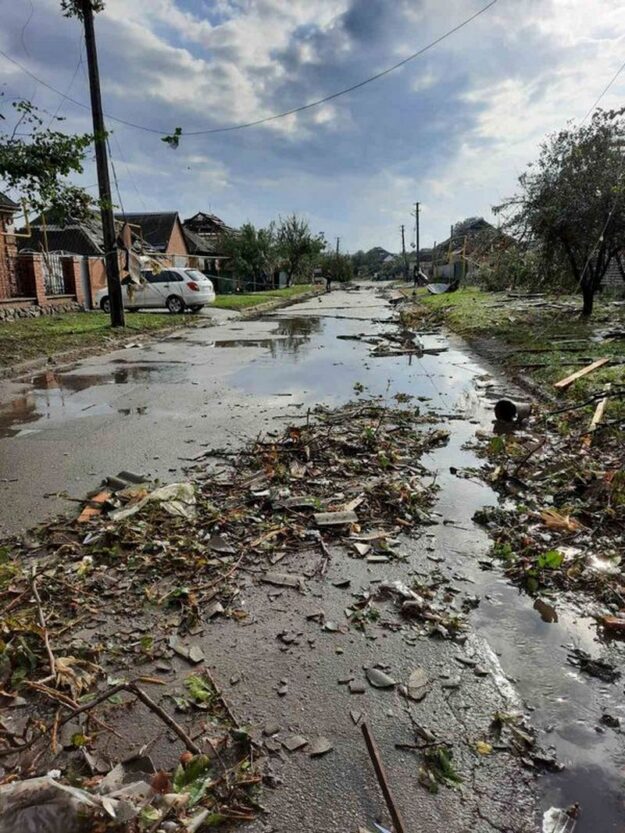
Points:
point(55, 396)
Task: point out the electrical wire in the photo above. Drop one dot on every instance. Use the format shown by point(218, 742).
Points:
point(614, 77)
point(64, 96)
point(275, 116)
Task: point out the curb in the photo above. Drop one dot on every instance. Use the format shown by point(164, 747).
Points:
point(255, 312)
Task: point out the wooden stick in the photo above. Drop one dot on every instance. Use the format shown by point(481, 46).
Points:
point(169, 721)
point(382, 780)
point(568, 380)
point(596, 419)
point(42, 622)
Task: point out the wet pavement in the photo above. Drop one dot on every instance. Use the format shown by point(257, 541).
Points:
point(153, 408)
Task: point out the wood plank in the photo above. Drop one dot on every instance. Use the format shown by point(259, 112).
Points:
point(568, 380)
point(596, 419)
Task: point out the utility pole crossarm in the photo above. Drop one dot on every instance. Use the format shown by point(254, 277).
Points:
point(104, 183)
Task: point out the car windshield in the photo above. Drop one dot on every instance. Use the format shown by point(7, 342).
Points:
point(195, 275)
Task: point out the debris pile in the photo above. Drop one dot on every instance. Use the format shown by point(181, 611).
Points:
point(562, 526)
point(101, 606)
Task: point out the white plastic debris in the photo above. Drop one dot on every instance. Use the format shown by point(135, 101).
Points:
point(177, 499)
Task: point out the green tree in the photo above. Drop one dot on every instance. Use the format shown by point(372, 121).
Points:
point(252, 251)
point(571, 205)
point(73, 8)
point(38, 165)
point(339, 268)
point(298, 248)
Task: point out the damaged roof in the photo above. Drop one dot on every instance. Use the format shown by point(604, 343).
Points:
point(156, 227)
point(7, 204)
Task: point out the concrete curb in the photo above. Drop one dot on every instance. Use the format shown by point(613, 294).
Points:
point(255, 312)
point(70, 356)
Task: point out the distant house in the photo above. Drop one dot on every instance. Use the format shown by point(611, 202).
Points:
point(204, 234)
point(28, 286)
point(452, 259)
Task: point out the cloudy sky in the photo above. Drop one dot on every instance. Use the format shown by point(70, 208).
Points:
point(452, 129)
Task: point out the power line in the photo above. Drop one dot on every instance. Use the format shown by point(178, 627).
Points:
point(275, 116)
point(64, 97)
point(614, 77)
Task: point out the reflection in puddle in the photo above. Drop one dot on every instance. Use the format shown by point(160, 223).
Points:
point(54, 396)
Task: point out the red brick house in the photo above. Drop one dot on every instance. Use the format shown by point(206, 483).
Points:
point(8, 248)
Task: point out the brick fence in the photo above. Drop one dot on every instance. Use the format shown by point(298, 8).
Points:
point(27, 289)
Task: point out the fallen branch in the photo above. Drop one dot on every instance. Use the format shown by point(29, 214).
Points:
point(169, 721)
point(596, 418)
point(132, 689)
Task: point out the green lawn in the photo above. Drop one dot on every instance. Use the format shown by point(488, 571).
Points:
point(545, 343)
point(33, 338)
point(253, 299)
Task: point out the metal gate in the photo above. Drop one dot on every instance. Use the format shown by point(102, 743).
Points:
point(53, 276)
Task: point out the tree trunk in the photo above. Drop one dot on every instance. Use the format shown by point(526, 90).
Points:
point(588, 294)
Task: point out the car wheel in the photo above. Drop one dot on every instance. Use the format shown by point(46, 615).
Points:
point(175, 304)
point(196, 307)
point(105, 304)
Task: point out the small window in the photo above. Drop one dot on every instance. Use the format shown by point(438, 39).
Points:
point(164, 276)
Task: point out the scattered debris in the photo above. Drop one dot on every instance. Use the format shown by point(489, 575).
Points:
point(600, 668)
point(320, 746)
point(417, 686)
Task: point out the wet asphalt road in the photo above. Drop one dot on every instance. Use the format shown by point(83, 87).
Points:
point(148, 408)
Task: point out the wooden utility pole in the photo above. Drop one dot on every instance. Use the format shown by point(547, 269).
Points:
point(403, 251)
point(417, 209)
point(104, 183)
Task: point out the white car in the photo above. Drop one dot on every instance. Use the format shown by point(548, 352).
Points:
point(174, 288)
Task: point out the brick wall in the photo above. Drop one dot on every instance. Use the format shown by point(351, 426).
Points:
point(177, 244)
point(8, 252)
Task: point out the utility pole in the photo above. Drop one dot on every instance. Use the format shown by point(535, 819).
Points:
point(104, 183)
point(403, 251)
point(418, 242)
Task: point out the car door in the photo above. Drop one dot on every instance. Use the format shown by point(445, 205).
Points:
point(157, 288)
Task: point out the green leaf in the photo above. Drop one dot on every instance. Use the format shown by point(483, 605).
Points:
point(194, 778)
point(79, 740)
point(199, 689)
point(215, 819)
point(550, 560)
point(147, 644)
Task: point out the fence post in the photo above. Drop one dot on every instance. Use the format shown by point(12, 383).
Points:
point(39, 282)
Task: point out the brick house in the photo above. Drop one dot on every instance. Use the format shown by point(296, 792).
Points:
point(163, 233)
point(85, 242)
